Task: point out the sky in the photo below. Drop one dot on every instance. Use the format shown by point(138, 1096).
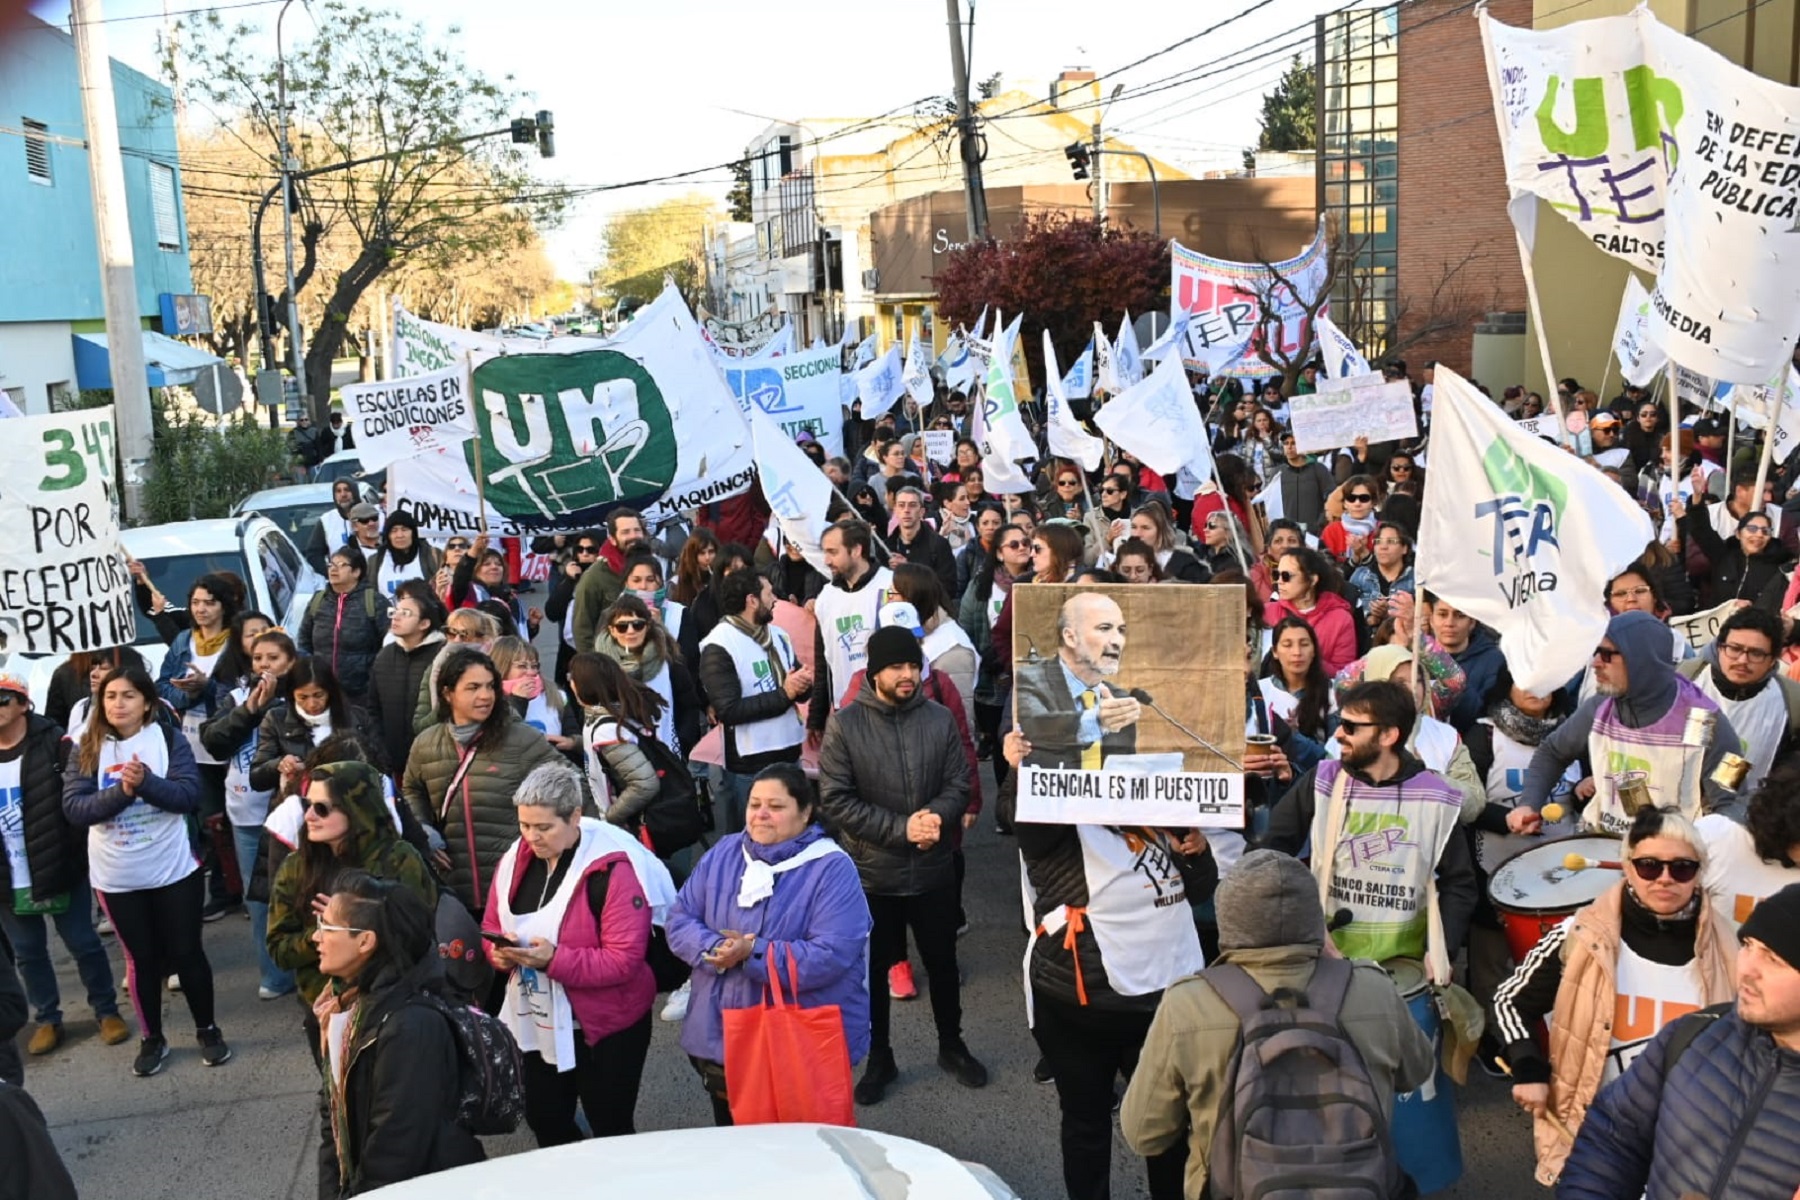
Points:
point(641, 89)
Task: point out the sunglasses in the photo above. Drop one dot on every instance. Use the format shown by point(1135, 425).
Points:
point(1106, 489)
point(1681, 870)
point(1068, 483)
point(635, 626)
point(1605, 655)
point(456, 545)
point(1355, 727)
point(367, 520)
point(1015, 545)
point(462, 635)
point(1287, 576)
point(1401, 468)
point(1360, 498)
point(320, 809)
point(325, 927)
point(587, 549)
point(8, 699)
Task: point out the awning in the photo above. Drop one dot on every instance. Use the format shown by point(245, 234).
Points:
point(170, 362)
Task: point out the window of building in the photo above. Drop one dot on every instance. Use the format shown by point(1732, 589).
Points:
point(63, 396)
point(1358, 165)
point(37, 152)
point(162, 206)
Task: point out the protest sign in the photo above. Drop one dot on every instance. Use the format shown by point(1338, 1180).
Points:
point(1343, 410)
point(746, 339)
point(1152, 732)
point(799, 391)
point(1269, 500)
point(420, 414)
point(1226, 301)
point(1594, 117)
point(1639, 358)
point(1693, 388)
point(1702, 628)
point(65, 585)
point(645, 421)
point(940, 446)
point(421, 346)
point(1543, 425)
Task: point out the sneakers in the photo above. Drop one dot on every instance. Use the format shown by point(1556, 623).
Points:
point(103, 924)
point(174, 982)
point(955, 1058)
point(213, 1050)
point(963, 929)
point(675, 1008)
point(152, 1052)
point(218, 908)
point(1042, 1073)
point(265, 992)
point(44, 1039)
point(900, 982)
point(113, 1029)
point(877, 1076)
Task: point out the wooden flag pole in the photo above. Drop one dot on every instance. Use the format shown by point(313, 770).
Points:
point(480, 475)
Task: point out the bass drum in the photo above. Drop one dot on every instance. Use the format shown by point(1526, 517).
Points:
point(1534, 892)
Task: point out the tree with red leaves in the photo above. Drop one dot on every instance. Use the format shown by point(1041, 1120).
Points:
point(1064, 273)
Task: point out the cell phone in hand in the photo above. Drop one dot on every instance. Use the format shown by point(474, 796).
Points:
point(499, 939)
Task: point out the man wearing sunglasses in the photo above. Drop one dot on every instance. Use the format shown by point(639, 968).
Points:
point(1740, 674)
point(1637, 720)
point(1712, 1105)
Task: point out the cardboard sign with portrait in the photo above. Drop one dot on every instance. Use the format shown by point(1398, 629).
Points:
point(1132, 698)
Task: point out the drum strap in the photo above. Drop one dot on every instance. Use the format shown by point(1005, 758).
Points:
point(1437, 954)
point(1325, 857)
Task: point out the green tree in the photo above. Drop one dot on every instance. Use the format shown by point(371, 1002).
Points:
point(642, 245)
point(737, 200)
point(371, 84)
point(1289, 113)
point(200, 466)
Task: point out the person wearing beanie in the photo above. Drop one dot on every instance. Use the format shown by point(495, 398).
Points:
point(1272, 927)
point(893, 784)
point(403, 555)
point(1712, 1105)
point(1638, 714)
point(1650, 949)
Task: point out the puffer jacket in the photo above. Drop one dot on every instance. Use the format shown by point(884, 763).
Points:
point(1723, 1122)
point(55, 850)
point(346, 629)
point(482, 818)
point(373, 845)
point(283, 732)
point(396, 678)
point(879, 764)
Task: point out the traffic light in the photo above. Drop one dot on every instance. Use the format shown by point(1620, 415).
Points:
point(539, 130)
point(1079, 159)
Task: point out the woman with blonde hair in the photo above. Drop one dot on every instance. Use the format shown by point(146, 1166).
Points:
point(535, 701)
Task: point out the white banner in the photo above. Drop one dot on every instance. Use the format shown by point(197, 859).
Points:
point(1158, 422)
point(880, 383)
point(1343, 410)
point(1067, 437)
point(421, 346)
point(1639, 358)
point(402, 418)
point(798, 391)
point(65, 585)
point(1702, 628)
point(797, 491)
point(940, 446)
point(1173, 799)
point(1543, 425)
point(1691, 387)
point(1342, 359)
point(1521, 536)
point(1225, 303)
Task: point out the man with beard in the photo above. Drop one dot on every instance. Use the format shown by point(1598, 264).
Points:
point(1071, 708)
point(893, 782)
point(1637, 721)
point(334, 528)
point(1762, 704)
point(603, 581)
point(845, 610)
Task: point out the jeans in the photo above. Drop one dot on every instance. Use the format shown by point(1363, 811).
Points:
point(30, 936)
point(604, 1080)
point(736, 798)
point(932, 918)
point(249, 840)
point(159, 930)
point(212, 801)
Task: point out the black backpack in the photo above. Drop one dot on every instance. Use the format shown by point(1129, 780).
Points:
point(673, 818)
point(490, 1077)
point(1301, 1118)
point(669, 971)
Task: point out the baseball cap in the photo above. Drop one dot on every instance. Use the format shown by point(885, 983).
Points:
point(900, 613)
point(1709, 427)
point(1602, 419)
point(13, 683)
point(362, 511)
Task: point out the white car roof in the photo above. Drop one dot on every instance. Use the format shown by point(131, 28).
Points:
point(282, 497)
point(786, 1162)
point(183, 537)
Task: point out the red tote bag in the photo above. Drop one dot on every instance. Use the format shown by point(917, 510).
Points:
point(787, 1064)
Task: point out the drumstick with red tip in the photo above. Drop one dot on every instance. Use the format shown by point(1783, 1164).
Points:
point(1581, 862)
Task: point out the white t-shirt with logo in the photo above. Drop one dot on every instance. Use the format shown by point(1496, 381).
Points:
point(1735, 878)
point(195, 717)
point(12, 822)
point(143, 847)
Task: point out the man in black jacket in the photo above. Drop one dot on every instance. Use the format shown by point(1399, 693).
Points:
point(892, 783)
point(916, 542)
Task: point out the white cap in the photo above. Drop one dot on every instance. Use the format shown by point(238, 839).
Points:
point(901, 613)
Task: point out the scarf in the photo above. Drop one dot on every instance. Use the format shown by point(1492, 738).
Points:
point(465, 734)
point(765, 641)
point(314, 720)
point(329, 1004)
point(642, 665)
point(1521, 727)
point(207, 644)
point(1738, 692)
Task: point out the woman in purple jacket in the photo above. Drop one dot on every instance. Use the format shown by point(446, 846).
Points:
point(780, 887)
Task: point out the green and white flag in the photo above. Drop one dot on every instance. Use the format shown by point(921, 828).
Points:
point(643, 419)
point(1007, 434)
point(1521, 535)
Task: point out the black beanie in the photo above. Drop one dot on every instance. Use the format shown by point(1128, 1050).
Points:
point(891, 645)
point(1775, 922)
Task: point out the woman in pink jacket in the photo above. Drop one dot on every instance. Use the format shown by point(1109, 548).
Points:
point(568, 922)
point(1306, 586)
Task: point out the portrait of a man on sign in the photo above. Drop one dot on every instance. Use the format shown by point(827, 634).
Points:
point(1072, 706)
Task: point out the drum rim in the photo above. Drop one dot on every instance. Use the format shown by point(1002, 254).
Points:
point(1507, 907)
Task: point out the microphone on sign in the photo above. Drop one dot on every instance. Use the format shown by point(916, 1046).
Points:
point(1339, 919)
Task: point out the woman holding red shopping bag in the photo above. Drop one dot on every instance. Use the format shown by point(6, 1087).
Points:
point(777, 900)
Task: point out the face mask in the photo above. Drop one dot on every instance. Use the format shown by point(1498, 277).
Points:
point(652, 597)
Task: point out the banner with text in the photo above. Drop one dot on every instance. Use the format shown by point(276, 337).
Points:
point(420, 414)
point(1342, 410)
point(1231, 304)
point(799, 392)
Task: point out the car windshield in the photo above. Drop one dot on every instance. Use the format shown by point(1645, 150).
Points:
point(175, 575)
point(296, 520)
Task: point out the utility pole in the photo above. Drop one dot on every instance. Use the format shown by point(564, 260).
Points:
point(1099, 171)
point(296, 351)
point(118, 270)
point(973, 195)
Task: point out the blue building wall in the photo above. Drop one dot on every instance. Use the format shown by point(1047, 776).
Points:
point(49, 260)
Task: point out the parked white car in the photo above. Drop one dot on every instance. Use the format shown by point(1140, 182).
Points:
point(762, 1162)
point(252, 547)
point(295, 508)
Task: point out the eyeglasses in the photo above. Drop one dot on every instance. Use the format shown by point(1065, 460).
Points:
point(325, 927)
point(1764, 530)
point(456, 544)
point(1389, 542)
point(1751, 653)
point(587, 549)
point(1015, 545)
point(320, 809)
point(1606, 653)
point(1637, 593)
point(1681, 870)
point(634, 626)
point(1360, 498)
point(1355, 727)
point(462, 635)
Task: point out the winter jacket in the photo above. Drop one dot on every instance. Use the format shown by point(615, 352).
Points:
point(928, 549)
point(397, 1109)
point(1571, 977)
point(879, 764)
point(1757, 578)
point(600, 945)
point(1481, 663)
point(596, 591)
point(1723, 1121)
point(629, 776)
point(373, 845)
point(817, 913)
point(481, 817)
point(972, 615)
point(1184, 1071)
point(346, 629)
point(396, 677)
point(1369, 584)
point(1303, 492)
point(1333, 622)
point(85, 803)
point(55, 850)
point(175, 665)
point(283, 732)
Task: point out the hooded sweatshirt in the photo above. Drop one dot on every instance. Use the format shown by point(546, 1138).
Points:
point(1651, 715)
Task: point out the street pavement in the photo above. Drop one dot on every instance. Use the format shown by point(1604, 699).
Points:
point(249, 1128)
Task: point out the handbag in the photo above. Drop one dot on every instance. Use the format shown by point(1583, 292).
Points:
point(786, 1064)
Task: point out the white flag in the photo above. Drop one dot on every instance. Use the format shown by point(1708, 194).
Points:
point(797, 491)
point(1128, 361)
point(1342, 358)
point(1067, 437)
point(1157, 422)
point(916, 376)
point(1106, 378)
point(1078, 384)
point(1172, 340)
point(1521, 535)
point(999, 474)
point(1640, 359)
point(865, 352)
point(880, 383)
point(1000, 415)
point(8, 408)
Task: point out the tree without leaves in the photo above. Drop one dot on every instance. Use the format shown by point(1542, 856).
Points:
point(372, 83)
point(1064, 273)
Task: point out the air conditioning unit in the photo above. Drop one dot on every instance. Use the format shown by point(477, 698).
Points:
point(872, 280)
